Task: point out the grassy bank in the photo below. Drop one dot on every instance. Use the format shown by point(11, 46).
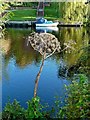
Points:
point(21, 15)
point(68, 13)
point(51, 13)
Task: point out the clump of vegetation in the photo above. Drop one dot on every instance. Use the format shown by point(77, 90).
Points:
point(34, 109)
point(13, 111)
point(78, 100)
point(75, 12)
point(4, 16)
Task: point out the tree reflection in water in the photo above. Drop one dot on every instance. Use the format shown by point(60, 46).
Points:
point(77, 60)
point(73, 60)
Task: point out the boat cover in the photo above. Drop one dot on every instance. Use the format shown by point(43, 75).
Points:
point(42, 20)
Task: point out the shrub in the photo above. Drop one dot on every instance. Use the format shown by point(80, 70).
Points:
point(13, 111)
point(78, 100)
point(34, 109)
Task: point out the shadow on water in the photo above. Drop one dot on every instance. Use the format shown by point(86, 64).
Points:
point(21, 64)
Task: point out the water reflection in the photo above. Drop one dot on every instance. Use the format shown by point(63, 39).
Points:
point(25, 55)
point(71, 57)
point(46, 29)
point(21, 64)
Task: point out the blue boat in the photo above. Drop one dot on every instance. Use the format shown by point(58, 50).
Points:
point(41, 22)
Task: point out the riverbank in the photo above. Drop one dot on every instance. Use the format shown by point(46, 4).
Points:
point(50, 13)
point(22, 15)
point(30, 14)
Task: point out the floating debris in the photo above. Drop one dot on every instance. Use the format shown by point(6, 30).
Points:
point(44, 43)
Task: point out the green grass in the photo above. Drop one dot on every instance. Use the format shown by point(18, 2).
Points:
point(51, 13)
point(23, 15)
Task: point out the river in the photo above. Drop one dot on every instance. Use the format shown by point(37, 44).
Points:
point(21, 65)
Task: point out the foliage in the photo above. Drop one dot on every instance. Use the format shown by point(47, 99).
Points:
point(51, 12)
point(34, 109)
point(88, 21)
point(4, 16)
point(84, 61)
point(75, 12)
point(15, 112)
point(78, 100)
